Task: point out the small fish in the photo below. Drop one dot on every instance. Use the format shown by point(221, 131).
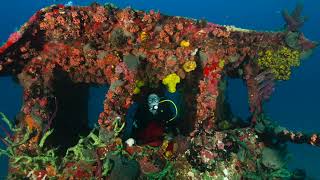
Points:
point(69, 3)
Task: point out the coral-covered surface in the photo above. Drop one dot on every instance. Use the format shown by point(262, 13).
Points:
point(130, 49)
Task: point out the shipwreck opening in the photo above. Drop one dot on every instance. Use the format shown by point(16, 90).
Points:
point(150, 120)
point(237, 97)
point(232, 104)
point(96, 99)
point(71, 120)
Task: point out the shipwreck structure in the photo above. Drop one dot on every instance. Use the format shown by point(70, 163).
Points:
point(62, 51)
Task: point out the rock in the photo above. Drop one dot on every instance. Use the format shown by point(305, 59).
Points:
point(124, 169)
point(272, 158)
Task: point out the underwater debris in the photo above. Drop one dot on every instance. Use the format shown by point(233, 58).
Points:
point(182, 62)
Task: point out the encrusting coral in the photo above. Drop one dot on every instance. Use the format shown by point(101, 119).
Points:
point(279, 61)
point(135, 52)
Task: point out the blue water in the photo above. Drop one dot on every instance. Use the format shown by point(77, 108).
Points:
point(294, 103)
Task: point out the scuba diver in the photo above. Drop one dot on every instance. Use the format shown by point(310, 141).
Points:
point(149, 122)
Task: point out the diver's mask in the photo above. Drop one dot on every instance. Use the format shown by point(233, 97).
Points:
point(153, 103)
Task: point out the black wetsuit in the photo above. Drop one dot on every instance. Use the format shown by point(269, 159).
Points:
point(143, 118)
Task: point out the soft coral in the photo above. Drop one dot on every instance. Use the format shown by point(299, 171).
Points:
point(14, 37)
point(294, 20)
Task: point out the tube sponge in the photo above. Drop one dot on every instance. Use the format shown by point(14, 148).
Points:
point(171, 81)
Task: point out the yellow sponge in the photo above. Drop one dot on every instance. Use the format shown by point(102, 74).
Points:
point(139, 84)
point(171, 81)
point(184, 43)
point(189, 66)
